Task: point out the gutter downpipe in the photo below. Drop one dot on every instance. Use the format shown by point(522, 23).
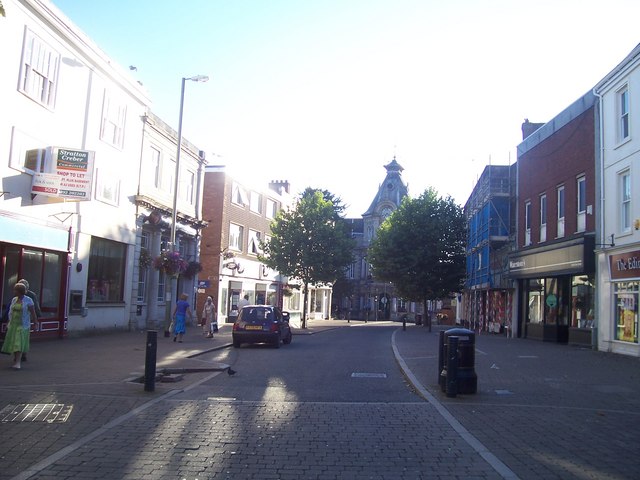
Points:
point(599, 213)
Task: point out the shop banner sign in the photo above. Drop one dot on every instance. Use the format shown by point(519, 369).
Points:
point(69, 174)
point(624, 265)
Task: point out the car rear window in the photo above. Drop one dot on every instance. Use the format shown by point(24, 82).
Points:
point(257, 314)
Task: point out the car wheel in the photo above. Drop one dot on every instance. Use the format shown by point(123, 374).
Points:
point(236, 344)
point(287, 339)
point(278, 341)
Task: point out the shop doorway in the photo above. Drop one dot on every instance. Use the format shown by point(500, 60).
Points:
point(46, 272)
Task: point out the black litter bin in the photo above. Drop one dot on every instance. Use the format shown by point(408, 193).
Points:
point(466, 377)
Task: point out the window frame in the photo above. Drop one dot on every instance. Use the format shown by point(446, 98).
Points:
point(101, 174)
point(156, 166)
point(623, 118)
point(527, 223)
point(253, 195)
point(625, 223)
point(543, 217)
point(561, 206)
point(253, 242)
point(271, 208)
point(27, 68)
point(104, 243)
point(237, 245)
point(118, 121)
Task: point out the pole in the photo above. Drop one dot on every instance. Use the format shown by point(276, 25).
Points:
point(150, 361)
point(174, 215)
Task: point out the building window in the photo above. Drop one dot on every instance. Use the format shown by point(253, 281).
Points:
point(543, 218)
point(254, 242)
point(106, 270)
point(272, 208)
point(142, 284)
point(256, 202)
point(625, 202)
point(39, 75)
point(107, 187)
point(235, 236)
point(161, 287)
point(169, 174)
point(582, 204)
point(145, 240)
point(114, 115)
point(155, 166)
point(560, 231)
point(626, 310)
point(239, 195)
point(189, 187)
point(623, 114)
point(527, 223)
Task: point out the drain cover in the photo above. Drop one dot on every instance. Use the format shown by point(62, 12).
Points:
point(36, 412)
point(368, 375)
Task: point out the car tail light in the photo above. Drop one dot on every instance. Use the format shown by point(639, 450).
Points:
point(235, 327)
point(274, 327)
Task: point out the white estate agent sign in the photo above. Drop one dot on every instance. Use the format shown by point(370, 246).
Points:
point(70, 174)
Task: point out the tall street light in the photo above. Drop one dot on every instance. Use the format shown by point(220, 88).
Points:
point(174, 214)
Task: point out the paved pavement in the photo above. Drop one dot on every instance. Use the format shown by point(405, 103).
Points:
point(545, 410)
point(97, 376)
point(542, 411)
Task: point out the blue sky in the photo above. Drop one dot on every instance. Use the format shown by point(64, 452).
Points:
point(325, 92)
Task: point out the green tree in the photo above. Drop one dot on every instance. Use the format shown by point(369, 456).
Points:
point(420, 248)
point(310, 242)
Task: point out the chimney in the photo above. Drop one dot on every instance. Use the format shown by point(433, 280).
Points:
point(528, 128)
point(280, 186)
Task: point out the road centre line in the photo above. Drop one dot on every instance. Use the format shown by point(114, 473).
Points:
point(503, 470)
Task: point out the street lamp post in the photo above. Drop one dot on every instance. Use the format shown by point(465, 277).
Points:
point(174, 212)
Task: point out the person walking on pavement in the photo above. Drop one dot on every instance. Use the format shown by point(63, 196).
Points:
point(209, 321)
point(36, 304)
point(179, 317)
point(21, 313)
point(243, 303)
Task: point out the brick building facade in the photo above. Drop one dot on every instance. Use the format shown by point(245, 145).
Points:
point(553, 263)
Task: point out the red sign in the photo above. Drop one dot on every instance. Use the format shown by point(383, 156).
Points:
point(625, 265)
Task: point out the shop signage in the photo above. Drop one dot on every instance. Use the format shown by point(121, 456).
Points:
point(204, 284)
point(624, 265)
point(68, 174)
point(563, 260)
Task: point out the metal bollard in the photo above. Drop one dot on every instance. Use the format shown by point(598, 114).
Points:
point(452, 367)
point(404, 322)
point(150, 361)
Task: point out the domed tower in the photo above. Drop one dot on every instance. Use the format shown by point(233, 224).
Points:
point(390, 194)
point(361, 296)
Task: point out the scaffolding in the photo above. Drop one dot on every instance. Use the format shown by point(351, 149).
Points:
point(488, 294)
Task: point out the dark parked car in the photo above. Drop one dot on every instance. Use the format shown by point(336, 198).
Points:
point(262, 324)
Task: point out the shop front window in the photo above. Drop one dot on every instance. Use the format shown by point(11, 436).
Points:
point(106, 270)
point(536, 300)
point(582, 301)
point(626, 311)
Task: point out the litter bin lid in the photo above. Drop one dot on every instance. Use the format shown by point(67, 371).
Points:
point(460, 332)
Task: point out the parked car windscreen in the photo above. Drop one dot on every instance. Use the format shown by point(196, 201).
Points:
point(257, 314)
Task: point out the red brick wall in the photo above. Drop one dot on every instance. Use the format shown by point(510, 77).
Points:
point(220, 211)
point(558, 160)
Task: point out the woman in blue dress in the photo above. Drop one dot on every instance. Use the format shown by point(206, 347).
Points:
point(21, 314)
point(179, 317)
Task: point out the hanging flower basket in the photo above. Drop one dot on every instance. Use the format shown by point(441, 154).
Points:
point(145, 260)
point(193, 268)
point(171, 263)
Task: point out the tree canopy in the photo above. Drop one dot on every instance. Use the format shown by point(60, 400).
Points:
point(310, 242)
point(420, 248)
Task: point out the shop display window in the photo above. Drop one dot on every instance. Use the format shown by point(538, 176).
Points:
point(626, 311)
point(106, 270)
point(582, 301)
